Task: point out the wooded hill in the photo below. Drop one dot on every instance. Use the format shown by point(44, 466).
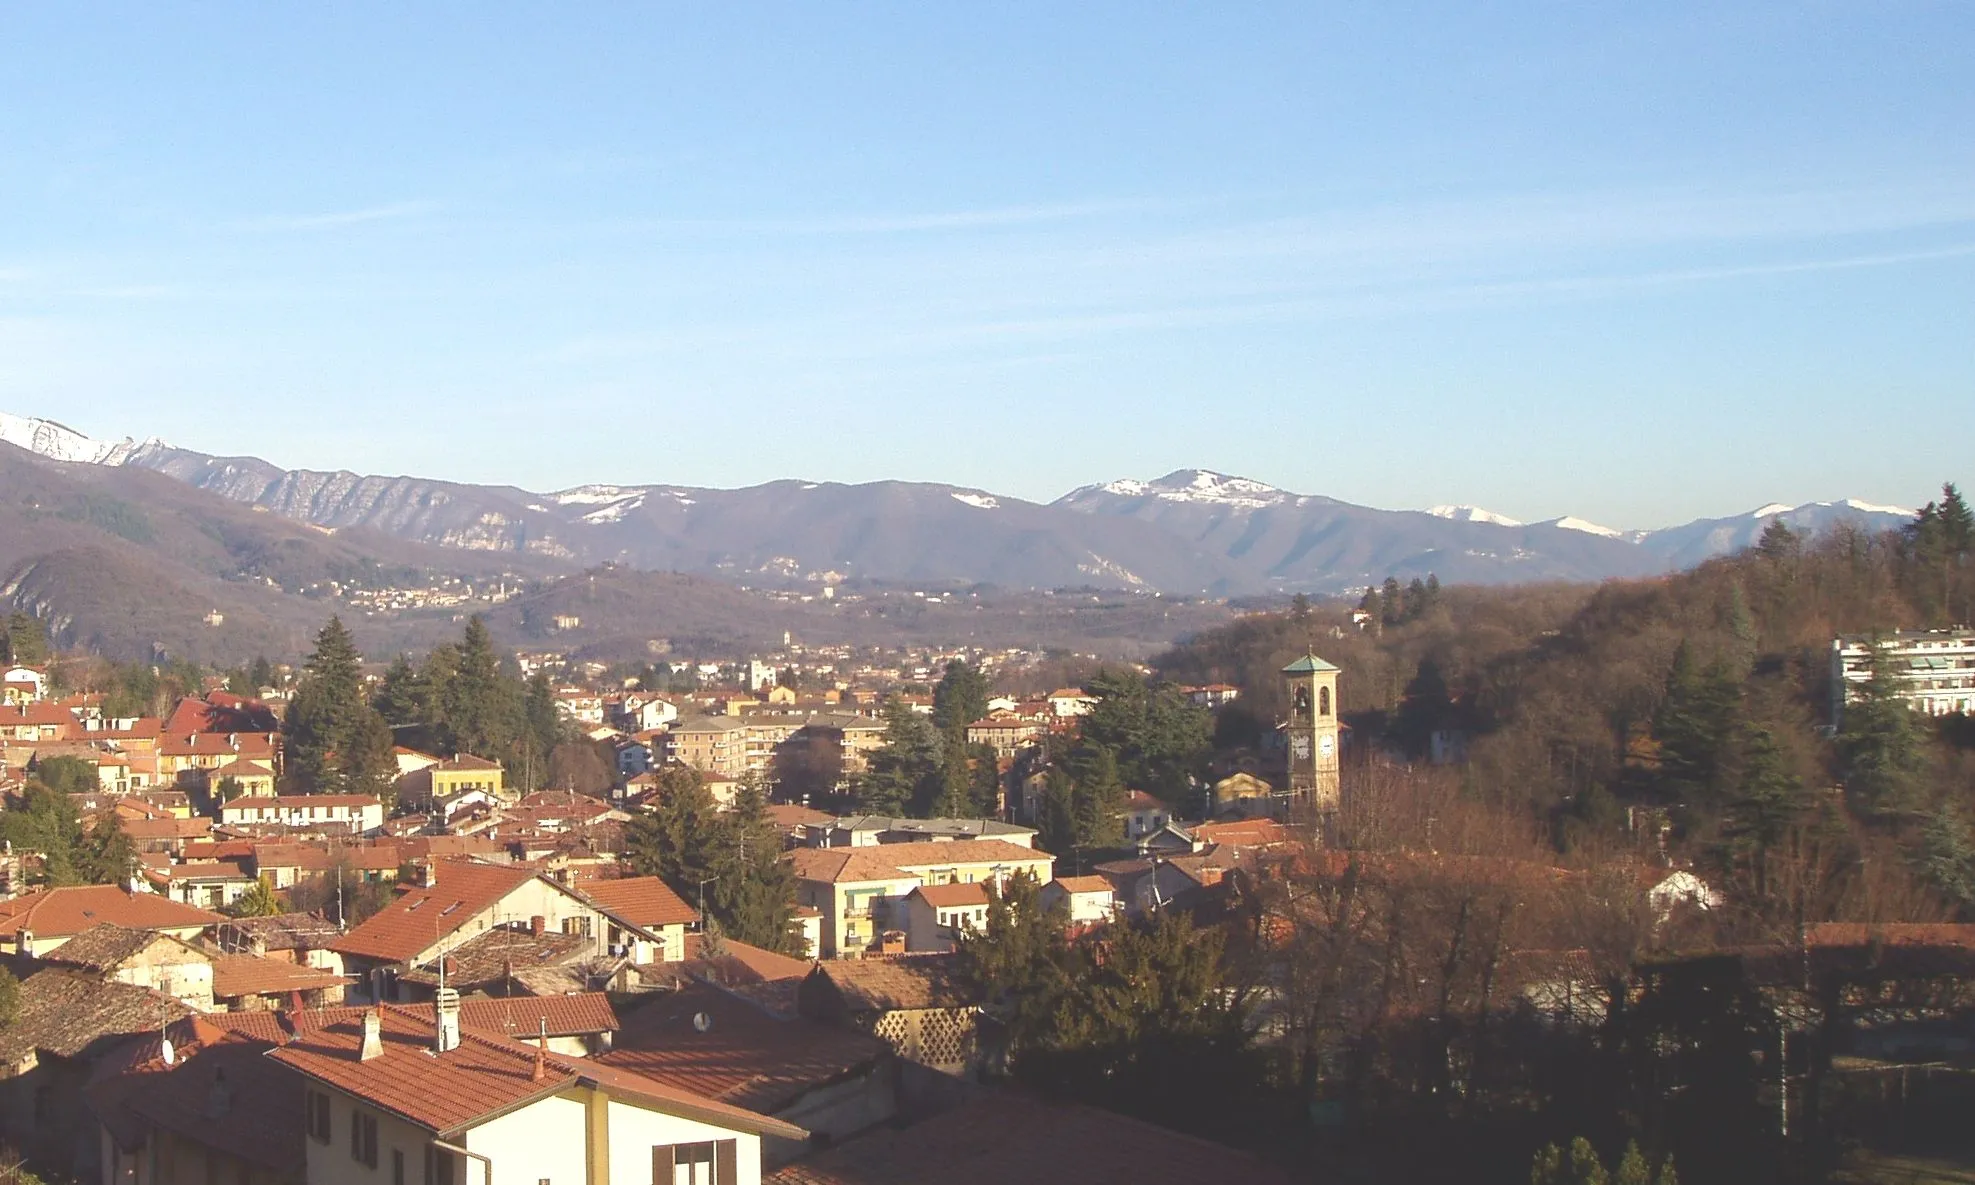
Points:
point(1691, 709)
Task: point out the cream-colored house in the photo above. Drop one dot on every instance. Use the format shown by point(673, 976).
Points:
point(394, 1098)
point(861, 891)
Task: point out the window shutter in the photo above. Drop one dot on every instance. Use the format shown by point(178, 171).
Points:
point(726, 1155)
point(661, 1164)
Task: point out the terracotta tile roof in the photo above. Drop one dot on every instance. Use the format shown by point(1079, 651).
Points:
point(103, 948)
point(788, 815)
point(951, 896)
point(1082, 884)
point(1242, 832)
point(883, 862)
point(640, 900)
point(219, 712)
point(1005, 1137)
point(257, 746)
point(902, 982)
point(490, 958)
point(738, 965)
point(220, 1091)
point(742, 1055)
point(249, 975)
point(167, 828)
point(69, 1013)
point(467, 761)
point(68, 911)
point(486, 1075)
point(15, 715)
point(422, 915)
point(288, 931)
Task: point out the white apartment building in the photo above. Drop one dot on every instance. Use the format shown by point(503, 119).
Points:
point(1936, 667)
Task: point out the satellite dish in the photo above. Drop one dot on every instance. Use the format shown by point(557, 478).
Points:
point(701, 1023)
point(170, 1054)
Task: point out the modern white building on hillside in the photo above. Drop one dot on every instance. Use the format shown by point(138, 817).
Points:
point(1936, 667)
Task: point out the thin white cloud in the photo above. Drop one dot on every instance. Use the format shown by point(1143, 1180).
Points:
point(384, 213)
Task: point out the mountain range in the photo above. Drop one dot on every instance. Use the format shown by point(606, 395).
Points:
point(107, 523)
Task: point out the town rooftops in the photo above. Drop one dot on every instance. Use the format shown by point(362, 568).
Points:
point(497, 955)
point(423, 914)
point(466, 761)
point(902, 982)
point(215, 744)
point(487, 1075)
point(640, 900)
point(950, 828)
point(72, 909)
point(67, 1013)
point(219, 1089)
point(104, 948)
point(706, 1041)
point(1001, 1136)
point(251, 975)
point(889, 862)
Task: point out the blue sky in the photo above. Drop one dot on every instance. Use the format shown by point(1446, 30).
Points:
point(1635, 263)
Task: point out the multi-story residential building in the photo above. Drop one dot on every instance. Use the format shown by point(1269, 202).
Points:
point(1006, 733)
point(359, 814)
point(860, 891)
point(710, 744)
point(1936, 669)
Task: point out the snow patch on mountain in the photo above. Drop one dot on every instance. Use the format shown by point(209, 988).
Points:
point(615, 511)
point(979, 501)
point(1572, 523)
point(1875, 508)
point(594, 495)
point(1472, 514)
point(1201, 487)
point(1772, 508)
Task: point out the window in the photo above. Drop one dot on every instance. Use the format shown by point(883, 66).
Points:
point(363, 1139)
point(397, 1167)
point(710, 1162)
point(1323, 701)
point(319, 1117)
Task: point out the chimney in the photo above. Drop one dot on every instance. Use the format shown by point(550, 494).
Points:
point(538, 925)
point(219, 1096)
point(428, 873)
point(445, 1014)
point(373, 1036)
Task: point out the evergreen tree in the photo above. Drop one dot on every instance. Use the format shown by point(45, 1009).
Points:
point(404, 697)
point(1390, 610)
point(907, 774)
point(1158, 737)
point(336, 742)
point(1693, 726)
point(26, 640)
point(1881, 748)
point(259, 901)
point(1769, 799)
point(682, 838)
point(960, 697)
point(756, 897)
point(482, 709)
point(1947, 855)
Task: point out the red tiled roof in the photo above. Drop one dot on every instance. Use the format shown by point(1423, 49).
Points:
point(422, 915)
point(221, 712)
point(882, 862)
point(742, 1056)
point(954, 895)
point(259, 1103)
point(1005, 1137)
point(641, 901)
point(14, 715)
point(251, 745)
point(1082, 884)
point(68, 911)
point(486, 1075)
point(249, 975)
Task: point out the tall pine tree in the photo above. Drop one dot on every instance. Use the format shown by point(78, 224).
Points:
point(336, 742)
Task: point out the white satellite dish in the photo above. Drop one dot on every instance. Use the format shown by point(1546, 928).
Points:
point(702, 1022)
point(170, 1054)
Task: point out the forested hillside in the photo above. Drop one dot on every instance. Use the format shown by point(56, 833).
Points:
point(1691, 711)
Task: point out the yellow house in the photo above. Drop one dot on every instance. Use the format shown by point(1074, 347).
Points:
point(250, 779)
point(861, 891)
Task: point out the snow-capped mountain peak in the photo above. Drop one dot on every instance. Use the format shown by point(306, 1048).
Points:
point(1472, 514)
point(1199, 486)
point(1570, 522)
point(1773, 508)
point(59, 442)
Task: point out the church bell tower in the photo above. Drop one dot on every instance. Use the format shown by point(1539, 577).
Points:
point(1313, 782)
